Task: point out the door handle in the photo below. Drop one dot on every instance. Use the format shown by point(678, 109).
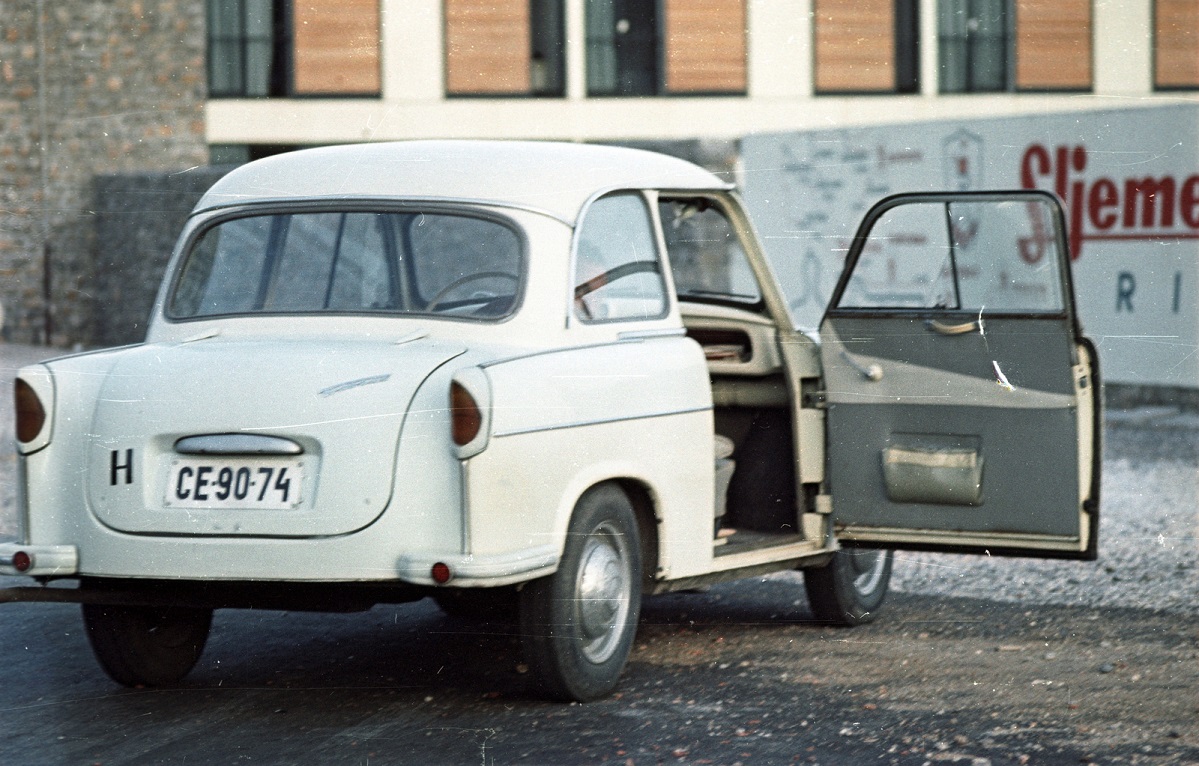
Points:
point(872, 372)
point(941, 328)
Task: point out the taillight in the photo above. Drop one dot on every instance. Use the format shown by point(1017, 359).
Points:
point(465, 417)
point(31, 415)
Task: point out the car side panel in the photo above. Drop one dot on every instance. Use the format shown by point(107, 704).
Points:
point(566, 420)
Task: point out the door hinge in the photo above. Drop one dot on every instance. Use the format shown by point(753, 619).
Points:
point(815, 400)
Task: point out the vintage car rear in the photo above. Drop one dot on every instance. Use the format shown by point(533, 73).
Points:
point(299, 426)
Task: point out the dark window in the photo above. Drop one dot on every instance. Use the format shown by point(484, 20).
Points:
point(548, 55)
point(975, 37)
point(248, 42)
point(273, 48)
point(622, 48)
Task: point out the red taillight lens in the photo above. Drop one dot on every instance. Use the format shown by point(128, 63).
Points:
point(465, 417)
point(31, 415)
point(22, 561)
point(441, 573)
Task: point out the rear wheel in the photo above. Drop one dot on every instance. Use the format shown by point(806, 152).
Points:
point(577, 625)
point(146, 646)
point(850, 589)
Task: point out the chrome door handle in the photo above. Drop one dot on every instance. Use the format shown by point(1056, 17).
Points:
point(941, 328)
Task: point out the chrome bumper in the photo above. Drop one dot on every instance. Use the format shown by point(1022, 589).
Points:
point(38, 560)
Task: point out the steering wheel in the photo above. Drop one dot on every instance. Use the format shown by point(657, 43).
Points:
point(466, 280)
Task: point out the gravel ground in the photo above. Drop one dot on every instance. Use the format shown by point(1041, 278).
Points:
point(1149, 533)
point(1148, 536)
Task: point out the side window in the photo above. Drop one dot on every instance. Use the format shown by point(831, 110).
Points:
point(618, 275)
point(992, 256)
point(705, 253)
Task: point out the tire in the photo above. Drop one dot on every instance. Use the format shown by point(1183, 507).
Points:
point(146, 646)
point(577, 625)
point(850, 589)
point(485, 604)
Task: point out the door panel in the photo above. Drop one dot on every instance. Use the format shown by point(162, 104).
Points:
point(954, 381)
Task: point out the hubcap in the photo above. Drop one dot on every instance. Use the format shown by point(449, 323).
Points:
point(602, 592)
point(867, 569)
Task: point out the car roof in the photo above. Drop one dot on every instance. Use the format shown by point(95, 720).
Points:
point(554, 178)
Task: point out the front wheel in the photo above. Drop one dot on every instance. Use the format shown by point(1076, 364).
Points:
point(577, 625)
point(146, 646)
point(850, 588)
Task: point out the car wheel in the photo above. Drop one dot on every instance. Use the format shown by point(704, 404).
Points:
point(146, 646)
point(849, 589)
point(577, 625)
point(487, 604)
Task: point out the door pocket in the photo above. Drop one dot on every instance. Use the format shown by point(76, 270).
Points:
point(933, 468)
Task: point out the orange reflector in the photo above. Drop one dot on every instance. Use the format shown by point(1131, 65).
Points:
point(465, 417)
point(31, 416)
point(441, 573)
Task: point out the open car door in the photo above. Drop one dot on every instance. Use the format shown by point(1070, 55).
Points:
point(963, 401)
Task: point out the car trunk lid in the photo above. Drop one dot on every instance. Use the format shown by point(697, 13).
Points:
point(254, 437)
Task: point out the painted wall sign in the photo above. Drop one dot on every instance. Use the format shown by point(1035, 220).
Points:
point(1129, 180)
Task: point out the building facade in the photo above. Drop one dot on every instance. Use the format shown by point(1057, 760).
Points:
point(287, 73)
point(97, 87)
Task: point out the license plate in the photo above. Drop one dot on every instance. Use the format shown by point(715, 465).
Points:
point(235, 483)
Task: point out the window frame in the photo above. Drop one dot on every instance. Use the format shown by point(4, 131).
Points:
point(669, 299)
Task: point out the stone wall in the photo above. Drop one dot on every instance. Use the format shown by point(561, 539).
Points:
point(98, 86)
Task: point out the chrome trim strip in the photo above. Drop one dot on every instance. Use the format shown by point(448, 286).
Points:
point(666, 332)
point(597, 422)
point(237, 444)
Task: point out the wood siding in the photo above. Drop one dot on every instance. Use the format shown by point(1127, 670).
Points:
point(1053, 44)
point(855, 45)
point(1176, 44)
point(487, 47)
point(705, 47)
point(336, 46)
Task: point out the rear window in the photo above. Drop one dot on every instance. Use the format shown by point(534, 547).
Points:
point(351, 262)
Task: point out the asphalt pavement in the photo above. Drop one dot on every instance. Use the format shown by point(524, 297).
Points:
point(972, 661)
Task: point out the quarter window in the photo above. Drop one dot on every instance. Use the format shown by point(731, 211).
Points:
point(618, 274)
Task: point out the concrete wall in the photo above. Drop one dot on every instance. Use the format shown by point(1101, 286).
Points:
point(86, 86)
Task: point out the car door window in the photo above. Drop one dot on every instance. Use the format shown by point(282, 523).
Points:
point(993, 257)
point(618, 273)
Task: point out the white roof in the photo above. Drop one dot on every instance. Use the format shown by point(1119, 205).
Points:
point(556, 178)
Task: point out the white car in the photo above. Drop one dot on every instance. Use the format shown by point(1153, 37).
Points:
point(549, 378)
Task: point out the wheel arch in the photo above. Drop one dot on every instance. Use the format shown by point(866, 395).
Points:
point(646, 512)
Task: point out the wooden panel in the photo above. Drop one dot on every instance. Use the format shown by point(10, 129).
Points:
point(705, 46)
point(1053, 44)
point(1176, 38)
point(487, 46)
point(855, 45)
point(336, 46)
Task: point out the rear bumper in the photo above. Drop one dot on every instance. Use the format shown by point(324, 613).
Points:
point(39, 560)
